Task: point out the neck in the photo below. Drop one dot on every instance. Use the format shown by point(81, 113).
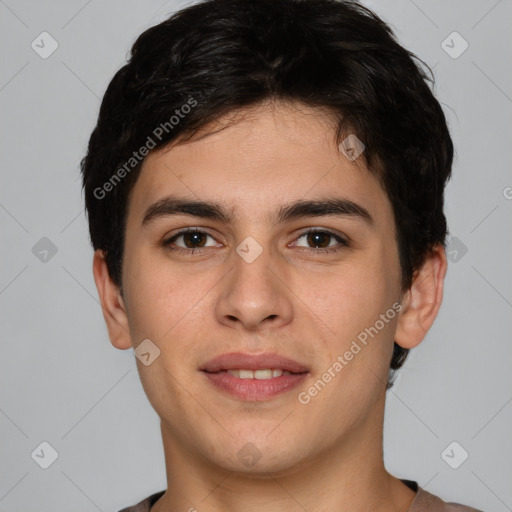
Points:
point(350, 476)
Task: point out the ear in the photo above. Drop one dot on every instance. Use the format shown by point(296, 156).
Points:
point(112, 304)
point(422, 301)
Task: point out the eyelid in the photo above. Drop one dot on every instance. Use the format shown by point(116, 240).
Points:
point(193, 229)
point(343, 240)
point(319, 229)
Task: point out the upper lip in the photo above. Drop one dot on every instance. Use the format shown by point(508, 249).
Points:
point(241, 361)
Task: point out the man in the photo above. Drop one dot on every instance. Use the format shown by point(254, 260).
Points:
point(265, 197)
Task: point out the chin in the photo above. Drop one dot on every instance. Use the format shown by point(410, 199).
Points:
point(258, 458)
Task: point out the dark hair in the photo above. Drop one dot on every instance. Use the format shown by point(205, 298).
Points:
point(219, 56)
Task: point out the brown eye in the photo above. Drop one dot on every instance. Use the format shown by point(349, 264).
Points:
point(194, 239)
point(318, 239)
point(189, 239)
point(321, 240)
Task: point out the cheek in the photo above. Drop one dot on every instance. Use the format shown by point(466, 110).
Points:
point(164, 300)
point(346, 303)
point(151, 291)
point(349, 295)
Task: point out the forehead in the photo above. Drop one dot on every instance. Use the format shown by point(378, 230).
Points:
point(255, 160)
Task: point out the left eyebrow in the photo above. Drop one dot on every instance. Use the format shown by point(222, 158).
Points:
point(322, 208)
point(169, 206)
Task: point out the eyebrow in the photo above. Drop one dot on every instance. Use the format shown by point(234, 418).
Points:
point(342, 207)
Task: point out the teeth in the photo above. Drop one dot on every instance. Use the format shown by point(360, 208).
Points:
point(263, 374)
point(258, 374)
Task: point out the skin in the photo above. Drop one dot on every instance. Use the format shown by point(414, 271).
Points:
point(293, 299)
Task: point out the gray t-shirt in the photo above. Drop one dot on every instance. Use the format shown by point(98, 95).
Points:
point(423, 502)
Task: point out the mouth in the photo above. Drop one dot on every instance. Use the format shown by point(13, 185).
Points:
point(264, 374)
point(254, 378)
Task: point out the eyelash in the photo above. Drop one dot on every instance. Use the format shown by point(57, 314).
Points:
point(167, 242)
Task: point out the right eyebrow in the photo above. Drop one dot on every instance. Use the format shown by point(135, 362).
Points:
point(168, 206)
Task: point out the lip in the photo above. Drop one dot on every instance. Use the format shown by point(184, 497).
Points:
point(239, 360)
point(254, 390)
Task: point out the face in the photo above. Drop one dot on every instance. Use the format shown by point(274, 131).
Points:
point(289, 253)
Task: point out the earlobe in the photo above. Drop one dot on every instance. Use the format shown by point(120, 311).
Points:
point(112, 304)
point(422, 301)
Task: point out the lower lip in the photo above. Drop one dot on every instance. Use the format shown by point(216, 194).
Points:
point(255, 389)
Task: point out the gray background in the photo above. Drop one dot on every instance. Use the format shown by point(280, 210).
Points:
point(62, 382)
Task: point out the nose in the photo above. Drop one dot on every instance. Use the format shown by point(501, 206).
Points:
point(254, 295)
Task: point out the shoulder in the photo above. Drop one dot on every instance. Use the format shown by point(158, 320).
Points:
point(427, 502)
point(144, 505)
